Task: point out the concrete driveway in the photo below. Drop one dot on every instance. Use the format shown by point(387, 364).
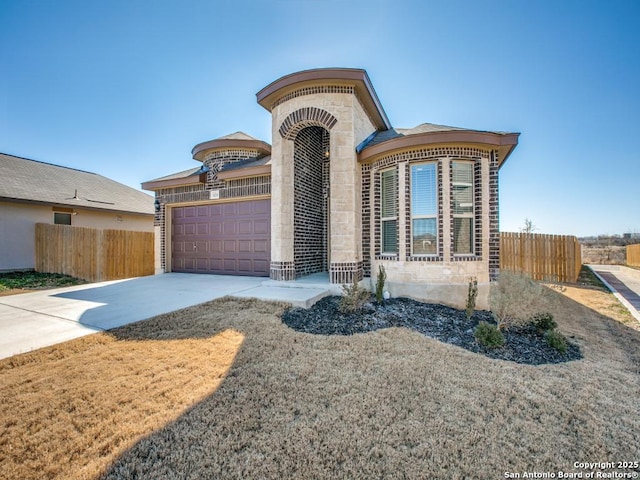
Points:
point(33, 320)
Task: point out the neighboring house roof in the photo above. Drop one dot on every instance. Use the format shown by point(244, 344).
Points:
point(33, 181)
point(427, 134)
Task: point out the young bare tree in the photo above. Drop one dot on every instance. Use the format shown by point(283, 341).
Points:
point(529, 227)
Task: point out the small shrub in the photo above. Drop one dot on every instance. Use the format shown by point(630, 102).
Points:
point(353, 297)
point(488, 335)
point(556, 340)
point(472, 294)
point(515, 298)
point(543, 322)
point(382, 277)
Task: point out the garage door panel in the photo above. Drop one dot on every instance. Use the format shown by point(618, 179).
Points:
point(203, 264)
point(215, 247)
point(229, 228)
point(245, 246)
point(215, 229)
point(245, 266)
point(215, 210)
point(245, 208)
point(231, 238)
point(245, 227)
point(230, 265)
point(216, 265)
point(229, 209)
point(261, 246)
point(261, 267)
point(261, 227)
point(203, 211)
point(262, 208)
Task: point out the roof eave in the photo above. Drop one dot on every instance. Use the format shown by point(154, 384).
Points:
point(153, 185)
point(73, 206)
point(348, 76)
point(245, 172)
point(506, 143)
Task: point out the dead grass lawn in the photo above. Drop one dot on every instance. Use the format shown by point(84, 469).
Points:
point(225, 390)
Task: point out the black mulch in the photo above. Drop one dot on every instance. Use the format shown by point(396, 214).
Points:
point(522, 345)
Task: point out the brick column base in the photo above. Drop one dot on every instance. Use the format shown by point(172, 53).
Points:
point(282, 271)
point(346, 272)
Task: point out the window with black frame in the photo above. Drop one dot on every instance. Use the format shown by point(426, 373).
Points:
point(388, 212)
point(424, 209)
point(462, 196)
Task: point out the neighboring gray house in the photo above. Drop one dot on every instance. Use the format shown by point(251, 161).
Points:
point(36, 192)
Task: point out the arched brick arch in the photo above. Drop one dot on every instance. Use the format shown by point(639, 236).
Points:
point(306, 117)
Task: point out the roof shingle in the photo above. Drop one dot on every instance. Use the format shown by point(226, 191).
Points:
point(34, 181)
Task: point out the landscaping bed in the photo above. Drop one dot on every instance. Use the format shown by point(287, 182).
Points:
point(22, 281)
point(522, 344)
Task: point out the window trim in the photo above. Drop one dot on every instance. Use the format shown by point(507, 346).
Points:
point(390, 218)
point(471, 214)
point(413, 217)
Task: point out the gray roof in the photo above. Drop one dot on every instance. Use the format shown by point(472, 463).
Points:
point(33, 181)
point(182, 174)
point(237, 136)
point(422, 128)
point(247, 163)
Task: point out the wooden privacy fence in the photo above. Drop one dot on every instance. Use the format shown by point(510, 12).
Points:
point(93, 254)
point(633, 255)
point(554, 258)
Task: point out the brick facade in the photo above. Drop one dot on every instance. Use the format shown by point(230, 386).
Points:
point(324, 181)
point(311, 189)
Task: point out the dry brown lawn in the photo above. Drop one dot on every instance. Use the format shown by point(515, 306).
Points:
point(225, 390)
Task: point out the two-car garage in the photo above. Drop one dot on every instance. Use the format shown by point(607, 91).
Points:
point(228, 238)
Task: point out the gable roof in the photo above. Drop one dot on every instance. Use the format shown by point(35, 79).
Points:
point(33, 181)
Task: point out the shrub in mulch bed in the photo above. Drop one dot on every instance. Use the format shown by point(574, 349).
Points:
point(522, 344)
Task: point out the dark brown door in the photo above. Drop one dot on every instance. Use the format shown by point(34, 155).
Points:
point(225, 238)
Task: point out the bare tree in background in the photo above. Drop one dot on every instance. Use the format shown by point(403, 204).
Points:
point(529, 227)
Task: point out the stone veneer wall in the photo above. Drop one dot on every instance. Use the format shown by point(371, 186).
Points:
point(310, 202)
point(237, 188)
point(338, 110)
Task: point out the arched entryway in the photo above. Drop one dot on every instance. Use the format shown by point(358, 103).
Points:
point(311, 247)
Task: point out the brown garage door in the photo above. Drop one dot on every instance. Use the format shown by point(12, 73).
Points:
point(225, 238)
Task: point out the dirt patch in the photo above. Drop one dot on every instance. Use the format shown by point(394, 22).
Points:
point(166, 401)
point(603, 302)
point(13, 291)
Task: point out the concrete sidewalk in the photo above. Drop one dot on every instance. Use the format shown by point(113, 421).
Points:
point(34, 320)
point(624, 282)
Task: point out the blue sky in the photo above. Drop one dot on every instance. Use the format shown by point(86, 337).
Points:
point(127, 88)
